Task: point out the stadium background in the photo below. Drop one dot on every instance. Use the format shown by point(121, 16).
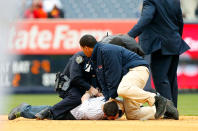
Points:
point(39, 47)
point(42, 47)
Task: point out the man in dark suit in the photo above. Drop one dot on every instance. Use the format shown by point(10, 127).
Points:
point(160, 30)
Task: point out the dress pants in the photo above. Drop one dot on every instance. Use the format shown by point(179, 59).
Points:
point(164, 73)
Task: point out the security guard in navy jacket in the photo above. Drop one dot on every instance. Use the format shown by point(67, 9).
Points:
point(107, 78)
point(122, 72)
point(160, 30)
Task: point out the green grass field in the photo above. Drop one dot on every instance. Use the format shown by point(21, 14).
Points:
point(187, 103)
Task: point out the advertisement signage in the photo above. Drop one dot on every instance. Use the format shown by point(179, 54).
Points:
point(40, 41)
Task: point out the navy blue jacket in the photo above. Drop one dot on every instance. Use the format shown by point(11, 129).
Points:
point(112, 62)
point(160, 27)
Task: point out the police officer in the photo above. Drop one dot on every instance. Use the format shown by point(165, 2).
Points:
point(75, 80)
point(71, 85)
point(121, 71)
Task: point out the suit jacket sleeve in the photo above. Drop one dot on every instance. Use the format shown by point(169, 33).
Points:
point(148, 12)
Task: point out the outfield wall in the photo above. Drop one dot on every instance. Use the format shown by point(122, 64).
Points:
point(44, 47)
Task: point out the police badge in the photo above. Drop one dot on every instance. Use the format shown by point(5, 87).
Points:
point(79, 59)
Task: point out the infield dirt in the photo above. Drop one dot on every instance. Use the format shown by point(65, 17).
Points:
point(186, 123)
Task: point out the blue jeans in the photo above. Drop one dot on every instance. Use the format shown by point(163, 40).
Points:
point(29, 111)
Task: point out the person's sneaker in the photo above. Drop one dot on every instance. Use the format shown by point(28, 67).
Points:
point(171, 111)
point(160, 104)
point(43, 114)
point(16, 112)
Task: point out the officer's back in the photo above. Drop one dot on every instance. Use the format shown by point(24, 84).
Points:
point(75, 71)
point(73, 68)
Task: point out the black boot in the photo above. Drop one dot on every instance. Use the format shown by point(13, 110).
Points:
point(160, 104)
point(16, 112)
point(171, 111)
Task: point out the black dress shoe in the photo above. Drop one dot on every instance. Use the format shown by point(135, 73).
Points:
point(44, 114)
point(16, 112)
point(160, 104)
point(171, 111)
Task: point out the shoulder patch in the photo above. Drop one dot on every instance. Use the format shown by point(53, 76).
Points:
point(79, 59)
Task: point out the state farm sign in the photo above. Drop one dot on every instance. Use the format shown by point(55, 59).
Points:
point(190, 36)
point(59, 37)
point(62, 36)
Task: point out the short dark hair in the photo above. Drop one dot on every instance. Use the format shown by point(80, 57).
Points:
point(88, 40)
point(111, 108)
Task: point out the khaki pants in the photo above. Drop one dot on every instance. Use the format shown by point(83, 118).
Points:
point(131, 89)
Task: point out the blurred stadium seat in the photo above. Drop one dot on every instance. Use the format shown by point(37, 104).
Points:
point(106, 9)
